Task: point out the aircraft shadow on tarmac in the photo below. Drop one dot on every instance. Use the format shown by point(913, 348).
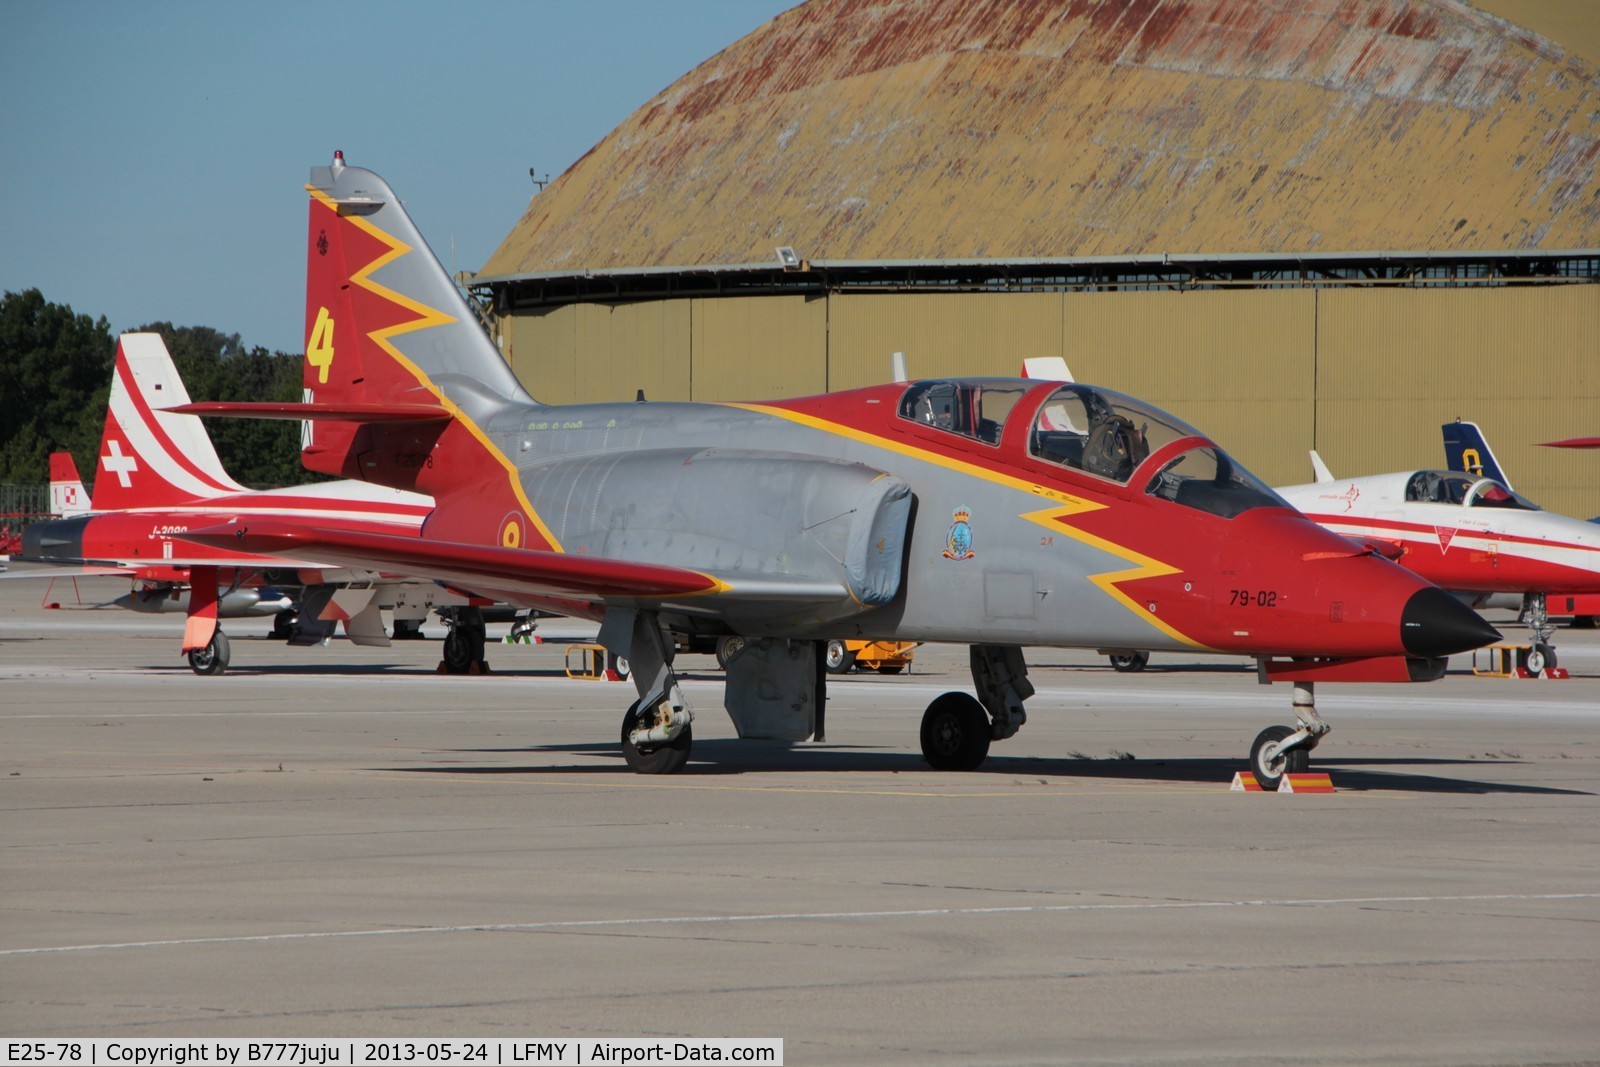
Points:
point(720, 757)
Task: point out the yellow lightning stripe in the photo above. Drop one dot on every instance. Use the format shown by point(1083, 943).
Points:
point(426, 317)
point(1143, 566)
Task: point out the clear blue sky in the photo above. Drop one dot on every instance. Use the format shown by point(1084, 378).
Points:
point(153, 155)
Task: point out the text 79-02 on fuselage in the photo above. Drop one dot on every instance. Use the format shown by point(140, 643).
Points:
point(994, 512)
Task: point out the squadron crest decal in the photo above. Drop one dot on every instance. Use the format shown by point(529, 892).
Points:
point(958, 542)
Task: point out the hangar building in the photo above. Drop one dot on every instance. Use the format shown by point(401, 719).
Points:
point(1294, 223)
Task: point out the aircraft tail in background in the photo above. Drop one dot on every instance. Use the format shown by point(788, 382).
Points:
point(1466, 450)
point(67, 494)
point(150, 457)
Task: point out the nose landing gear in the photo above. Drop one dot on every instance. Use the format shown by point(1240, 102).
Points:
point(1281, 750)
point(1542, 655)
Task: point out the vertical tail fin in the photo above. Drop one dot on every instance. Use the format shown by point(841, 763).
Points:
point(1467, 450)
point(1319, 469)
point(67, 494)
point(150, 457)
point(384, 322)
point(385, 326)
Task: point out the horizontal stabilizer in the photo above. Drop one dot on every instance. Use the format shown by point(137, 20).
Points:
point(372, 413)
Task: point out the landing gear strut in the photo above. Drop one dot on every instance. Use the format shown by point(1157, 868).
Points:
point(1281, 750)
point(1542, 656)
point(957, 728)
point(656, 738)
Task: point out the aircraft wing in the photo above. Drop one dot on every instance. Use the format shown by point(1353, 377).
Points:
point(23, 568)
point(512, 572)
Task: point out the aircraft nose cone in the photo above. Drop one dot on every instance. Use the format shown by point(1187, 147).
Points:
point(1434, 623)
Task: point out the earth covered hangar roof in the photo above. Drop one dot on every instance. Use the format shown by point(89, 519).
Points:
point(939, 130)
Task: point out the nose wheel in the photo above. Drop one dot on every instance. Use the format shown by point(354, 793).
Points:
point(1541, 656)
point(1269, 762)
point(1535, 614)
point(1281, 750)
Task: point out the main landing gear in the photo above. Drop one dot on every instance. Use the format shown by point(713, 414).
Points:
point(463, 645)
point(1128, 662)
point(212, 659)
point(656, 737)
point(1542, 655)
point(957, 727)
point(1281, 750)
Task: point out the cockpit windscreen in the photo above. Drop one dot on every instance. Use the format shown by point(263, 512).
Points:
point(1208, 480)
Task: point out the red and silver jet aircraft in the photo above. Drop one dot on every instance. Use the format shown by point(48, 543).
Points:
point(995, 513)
point(1464, 532)
point(160, 476)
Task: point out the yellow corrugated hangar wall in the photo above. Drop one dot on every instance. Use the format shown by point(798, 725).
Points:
point(1364, 375)
point(1391, 211)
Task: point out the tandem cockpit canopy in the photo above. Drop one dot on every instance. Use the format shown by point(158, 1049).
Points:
point(1096, 431)
point(1467, 490)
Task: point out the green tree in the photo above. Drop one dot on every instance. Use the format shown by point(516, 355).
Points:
point(55, 376)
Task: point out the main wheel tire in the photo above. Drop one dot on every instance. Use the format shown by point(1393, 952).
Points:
point(955, 733)
point(213, 659)
point(667, 758)
point(457, 653)
point(1269, 773)
point(727, 648)
point(1129, 662)
point(283, 625)
point(837, 658)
